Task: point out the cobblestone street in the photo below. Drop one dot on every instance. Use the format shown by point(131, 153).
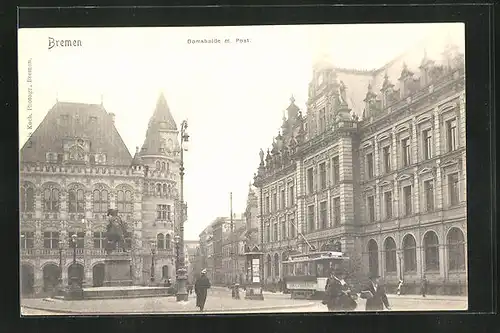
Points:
point(219, 301)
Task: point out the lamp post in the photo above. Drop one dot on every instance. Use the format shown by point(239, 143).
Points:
point(153, 252)
point(176, 242)
point(60, 282)
point(181, 270)
point(75, 290)
point(400, 257)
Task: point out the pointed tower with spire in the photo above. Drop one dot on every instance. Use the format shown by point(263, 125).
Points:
point(159, 157)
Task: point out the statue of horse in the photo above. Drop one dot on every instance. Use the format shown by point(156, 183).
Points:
point(115, 232)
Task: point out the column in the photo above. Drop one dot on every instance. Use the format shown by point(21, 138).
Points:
point(416, 194)
point(414, 141)
point(376, 158)
point(395, 198)
point(377, 203)
point(437, 133)
point(299, 189)
point(394, 161)
point(461, 122)
point(329, 210)
point(38, 203)
point(439, 188)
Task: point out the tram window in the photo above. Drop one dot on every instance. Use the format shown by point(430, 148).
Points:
point(321, 269)
point(312, 269)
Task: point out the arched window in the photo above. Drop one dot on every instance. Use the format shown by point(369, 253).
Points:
point(76, 201)
point(165, 189)
point(269, 265)
point(124, 201)
point(373, 257)
point(409, 253)
point(390, 255)
point(51, 200)
point(276, 265)
point(27, 199)
point(160, 241)
point(455, 242)
point(101, 201)
point(158, 189)
point(168, 167)
point(431, 249)
point(162, 166)
point(167, 241)
point(164, 272)
point(157, 165)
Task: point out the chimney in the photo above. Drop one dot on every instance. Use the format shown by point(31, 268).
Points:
point(112, 116)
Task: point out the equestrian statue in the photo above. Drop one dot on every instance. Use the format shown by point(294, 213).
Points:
point(115, 232)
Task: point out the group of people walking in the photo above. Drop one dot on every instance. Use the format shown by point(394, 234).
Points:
point(340, 297)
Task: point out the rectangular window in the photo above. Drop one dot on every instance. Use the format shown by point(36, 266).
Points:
point(161, 212)
point(268, 233)
point(336, 211)
point(267, 205)
point(283, 199)
point(323, 215)
point(369, 165)
point(80, 239)
point(169, 212)
point(451, 134)
point(407, 200)
point(99, 240)
point(310, 180)
point(275, 232)
point(283, 230)
point(275, 202)
point(405, 151)
point(386, 152)
point(310, 218)
point(322, 175)
point(51, 240)
point(427, 143)
point(335, 170)
point(27, 239)
point(292, 195)
point(388, 204)
point(371, 208)
point(453, 189)
point(429, 195)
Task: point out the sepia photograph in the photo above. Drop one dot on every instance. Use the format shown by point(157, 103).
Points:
point(242, 169)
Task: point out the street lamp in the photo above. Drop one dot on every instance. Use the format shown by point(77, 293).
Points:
point(60, 281)
point(181, 270)
point(176, 242)
point(75, 290)
point(400, 257)
point(153, 252)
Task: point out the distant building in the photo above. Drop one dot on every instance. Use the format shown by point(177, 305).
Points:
point(377, 165)
point(74, 168)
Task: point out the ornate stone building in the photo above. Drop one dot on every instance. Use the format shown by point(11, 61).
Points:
point(376, 167)
point(72, 169)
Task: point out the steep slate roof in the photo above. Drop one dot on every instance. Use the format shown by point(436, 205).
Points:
point(100, 130)
point(162, 119)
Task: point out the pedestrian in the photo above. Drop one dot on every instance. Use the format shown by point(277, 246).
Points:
point(375, 295)
point(423, 287)
point(338, 295)
point(201, 287)
point(400, 287)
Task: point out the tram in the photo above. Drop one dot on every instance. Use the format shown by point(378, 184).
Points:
point(307, 274)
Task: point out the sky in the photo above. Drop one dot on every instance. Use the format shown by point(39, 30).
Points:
point(232, 95)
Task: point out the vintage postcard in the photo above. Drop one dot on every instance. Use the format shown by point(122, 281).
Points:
point(245, 169)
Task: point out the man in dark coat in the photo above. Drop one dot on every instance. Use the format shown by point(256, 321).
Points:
point(375, 295)
point(201, 286)
point(338, 293)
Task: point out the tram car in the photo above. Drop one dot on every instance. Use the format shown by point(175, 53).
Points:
point(307, 274)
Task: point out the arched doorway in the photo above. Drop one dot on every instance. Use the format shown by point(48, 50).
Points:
point(50, 277)
point(372, 257)
point(76, 270)
point(98, 275)
point(455, 242)
point(164, 272)
point(27, 279)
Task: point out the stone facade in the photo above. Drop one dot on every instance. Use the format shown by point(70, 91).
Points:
point(377, 167)
point(73, 168)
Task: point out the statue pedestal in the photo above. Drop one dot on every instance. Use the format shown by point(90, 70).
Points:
point(117, 270)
